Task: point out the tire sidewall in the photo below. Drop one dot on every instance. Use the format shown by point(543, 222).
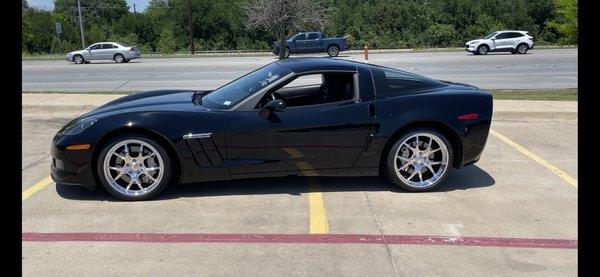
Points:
point(521, 45)
point(391, 159)
point(163, 153)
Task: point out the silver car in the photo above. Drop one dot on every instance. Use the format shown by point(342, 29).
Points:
point(116, 51)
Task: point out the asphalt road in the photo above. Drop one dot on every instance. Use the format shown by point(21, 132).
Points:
point(538, 69)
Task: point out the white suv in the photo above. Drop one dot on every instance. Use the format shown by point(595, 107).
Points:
point(502, 41)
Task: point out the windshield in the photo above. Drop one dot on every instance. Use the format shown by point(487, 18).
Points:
point(490, 35)
point(234, 92)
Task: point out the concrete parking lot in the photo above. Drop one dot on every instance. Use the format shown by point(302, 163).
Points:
point(538, 69)
point(510, 214)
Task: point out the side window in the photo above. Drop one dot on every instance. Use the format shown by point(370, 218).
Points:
point(95, 46)
point(107, 46)
point(502, 36)
point(115, 46)
point(389, 81)
point(516, 35)
point(313, 89)
point(312, 36)
point(301, 37)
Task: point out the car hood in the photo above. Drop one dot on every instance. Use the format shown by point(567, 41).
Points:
point(474, 41)
point(157, 100)
point(75, 52)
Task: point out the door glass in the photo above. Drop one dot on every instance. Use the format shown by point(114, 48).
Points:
point(313, 89)
point(301, 37)
point(312, 36)
point(95, 47)
point(107, 46)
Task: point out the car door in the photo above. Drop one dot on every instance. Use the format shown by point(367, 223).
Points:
point(313, 43)
point(301, 43)
point(93, 52)
point(321, 136)
point(107, 51)
point(501, 41)
point(513, 40)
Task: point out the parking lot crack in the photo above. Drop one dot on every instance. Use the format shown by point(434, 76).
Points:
point(387, 246)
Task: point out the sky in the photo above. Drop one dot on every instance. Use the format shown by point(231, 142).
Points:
point(140, 5)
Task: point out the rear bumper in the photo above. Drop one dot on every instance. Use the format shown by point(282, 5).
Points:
point(132, 55)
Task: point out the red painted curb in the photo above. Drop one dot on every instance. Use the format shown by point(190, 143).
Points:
point(301, 238)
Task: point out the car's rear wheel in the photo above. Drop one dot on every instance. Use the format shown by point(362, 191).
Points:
point(333, 51)
point(420, 160)
point(118, 58)
point(483, 49)
point(133, 167)
point(522, 48)
point(78, 59)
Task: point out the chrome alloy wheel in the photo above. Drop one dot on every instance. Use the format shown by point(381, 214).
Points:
point(522, 49)
point(133, 167)
point(421, 160)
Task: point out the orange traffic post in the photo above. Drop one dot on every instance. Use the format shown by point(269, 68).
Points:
point(366, 54)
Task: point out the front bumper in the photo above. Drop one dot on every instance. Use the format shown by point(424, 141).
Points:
point(470, 48)
point(71, 167)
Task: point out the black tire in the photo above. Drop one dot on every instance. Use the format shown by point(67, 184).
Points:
point(333, 51)
point(522, 48)
point(78, 59)
point(483, 50)
point(390, 161)
point(118, 58)
point(166, 160)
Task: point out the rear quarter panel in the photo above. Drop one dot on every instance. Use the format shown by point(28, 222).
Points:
point(443, 106)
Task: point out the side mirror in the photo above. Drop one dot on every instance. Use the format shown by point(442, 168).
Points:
point(276, 105)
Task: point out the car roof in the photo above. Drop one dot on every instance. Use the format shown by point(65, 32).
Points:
point(306, 64)
point(518, 31)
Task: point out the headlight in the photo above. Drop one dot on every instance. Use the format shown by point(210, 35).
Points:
point(79, 126)
point(473, 43)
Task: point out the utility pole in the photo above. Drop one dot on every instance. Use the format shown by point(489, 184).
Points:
point(189, 14)
point(134, 8)
point(81, 26)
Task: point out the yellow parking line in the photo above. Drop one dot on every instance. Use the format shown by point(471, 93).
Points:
point(318, 216)
point(35, 188)
point(568, 178)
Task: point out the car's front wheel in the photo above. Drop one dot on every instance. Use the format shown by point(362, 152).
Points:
point(333, 51)
point(483, 49)
point(419, 160)
point(78, 59)
point(133, 167)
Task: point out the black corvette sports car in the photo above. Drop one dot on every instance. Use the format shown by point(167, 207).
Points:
point(302, 116)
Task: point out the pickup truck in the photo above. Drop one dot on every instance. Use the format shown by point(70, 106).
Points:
point(312, 42)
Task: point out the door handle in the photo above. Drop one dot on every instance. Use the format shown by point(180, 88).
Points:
point(372, 110)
